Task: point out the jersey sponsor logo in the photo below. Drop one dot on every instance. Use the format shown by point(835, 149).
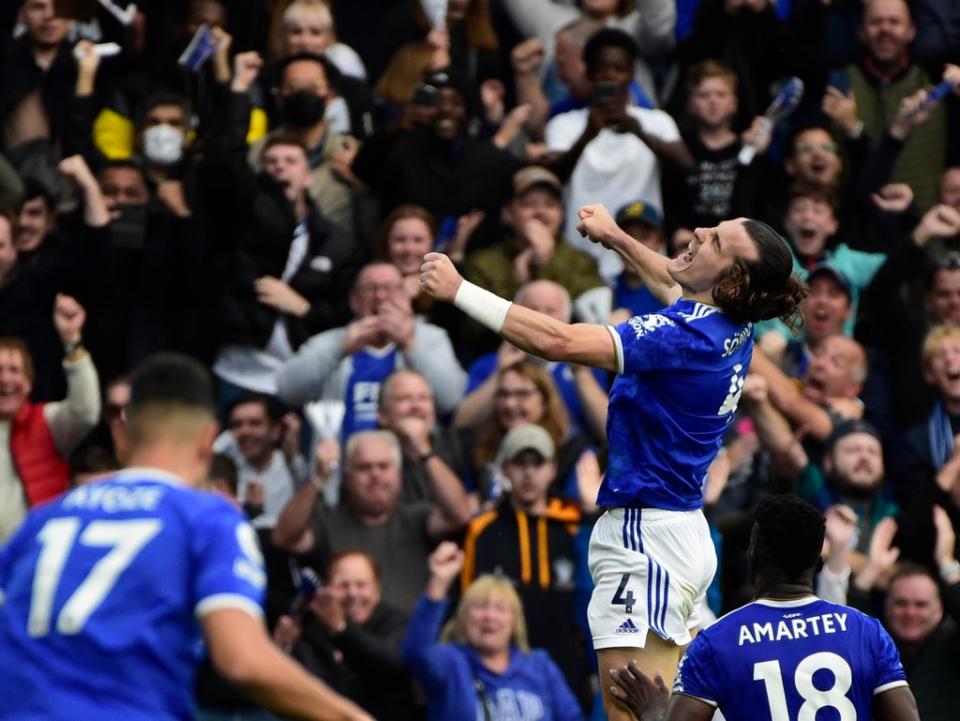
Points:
point(734, 343)
point(826, 623)
point(628, 626)
point(643, 324)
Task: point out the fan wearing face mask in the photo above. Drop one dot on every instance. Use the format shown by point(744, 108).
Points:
point(312, 112)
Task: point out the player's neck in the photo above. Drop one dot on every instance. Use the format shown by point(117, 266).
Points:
point(169, 457)
point(779, 590)
point(705, 296)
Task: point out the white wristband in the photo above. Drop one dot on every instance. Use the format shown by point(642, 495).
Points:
point(482, 305)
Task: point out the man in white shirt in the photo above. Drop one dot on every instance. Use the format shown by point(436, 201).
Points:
point(265, 448)
point(610, 152)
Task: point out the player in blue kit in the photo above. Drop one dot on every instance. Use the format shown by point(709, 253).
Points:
point(106, 590)
point(788, 655)
point(680, 372)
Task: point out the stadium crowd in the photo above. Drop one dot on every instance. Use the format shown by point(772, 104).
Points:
point(255, 182)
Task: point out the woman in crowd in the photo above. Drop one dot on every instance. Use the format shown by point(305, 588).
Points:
point(526, 393)
point(482, 667)
point(351, 640)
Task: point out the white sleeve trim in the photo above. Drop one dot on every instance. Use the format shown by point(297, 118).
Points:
point(618, 346)
point(220, 601)
point(700, 698)
point(888, 686)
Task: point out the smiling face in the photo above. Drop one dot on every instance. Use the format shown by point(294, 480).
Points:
point(815, 158)
point(450, 114)
point(309, 31)
point(826, 310)
point(254, 431)
point(354, 581)
point(887, 30)
point(836, 370)
point(34, 221)
point(942, 368)
point(809, 223)
point(406, 395)
point(15, 382)
point(489, 623)
point(517, 400)
point(913, 608)
point(709, 256)
point(408, 241)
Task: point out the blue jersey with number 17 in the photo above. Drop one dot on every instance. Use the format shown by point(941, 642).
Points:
point(680, 373)
point(102, 590)
point(780, 660)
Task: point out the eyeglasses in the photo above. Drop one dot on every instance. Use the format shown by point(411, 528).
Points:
point(808, 148)
point(521, 394)
point(371, 288)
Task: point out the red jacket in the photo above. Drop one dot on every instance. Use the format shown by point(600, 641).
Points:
point(43, 472)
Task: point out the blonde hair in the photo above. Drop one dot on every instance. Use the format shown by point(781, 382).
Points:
point(455, 630)
point(287, 11)
point(935, 336)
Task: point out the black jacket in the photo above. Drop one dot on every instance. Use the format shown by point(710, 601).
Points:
point(252, 224)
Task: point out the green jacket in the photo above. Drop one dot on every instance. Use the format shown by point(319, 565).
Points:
point(492, 268)
point(921, 161)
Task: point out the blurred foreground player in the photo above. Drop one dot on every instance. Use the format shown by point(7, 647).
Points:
point(105, 591)
point(787, 655)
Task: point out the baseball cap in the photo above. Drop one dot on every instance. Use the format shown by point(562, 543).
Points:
point(448, 78)
point(526, 437)
point(532, 176)
point(821, 270)
point(847, 428)
point(641, 212)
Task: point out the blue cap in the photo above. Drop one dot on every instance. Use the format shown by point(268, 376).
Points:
point(640, 212)
point(824, 269)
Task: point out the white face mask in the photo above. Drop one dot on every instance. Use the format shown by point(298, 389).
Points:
point(163, 144)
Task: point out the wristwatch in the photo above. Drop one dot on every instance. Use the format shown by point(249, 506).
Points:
point(427, 456)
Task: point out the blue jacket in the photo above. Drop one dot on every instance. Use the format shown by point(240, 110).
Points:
point(531, 689)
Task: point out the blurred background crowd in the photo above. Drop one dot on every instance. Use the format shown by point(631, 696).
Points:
point(255, 182)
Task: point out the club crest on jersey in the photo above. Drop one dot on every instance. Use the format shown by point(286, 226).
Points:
point(643, 324)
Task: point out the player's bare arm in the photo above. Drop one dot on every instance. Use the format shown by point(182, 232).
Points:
point(532, 332)
point(597, 224)
point(242, 652)
point(897, 704)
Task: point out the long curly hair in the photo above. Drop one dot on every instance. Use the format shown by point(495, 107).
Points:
point(755, 290)
point(555, 419)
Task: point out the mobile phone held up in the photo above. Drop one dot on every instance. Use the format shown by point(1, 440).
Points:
point(604, 91)
point(306, 588)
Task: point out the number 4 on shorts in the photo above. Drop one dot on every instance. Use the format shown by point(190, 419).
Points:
point(624, 599)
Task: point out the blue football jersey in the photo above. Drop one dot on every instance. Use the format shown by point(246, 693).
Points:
point(782, 660)
point(365, 371)
point(681, 372)
point(102, 592)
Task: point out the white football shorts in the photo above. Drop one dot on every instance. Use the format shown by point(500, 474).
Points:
point(651, 569)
